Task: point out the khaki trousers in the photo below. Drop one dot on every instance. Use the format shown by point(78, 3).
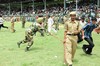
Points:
point(12, 27)
point(70, 48)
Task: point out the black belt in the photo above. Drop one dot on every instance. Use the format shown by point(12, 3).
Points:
point(72, 34)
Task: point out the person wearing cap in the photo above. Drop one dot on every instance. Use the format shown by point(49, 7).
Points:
point(72, 28)
point(87, 35)
point(40, 25)
point(1, 23)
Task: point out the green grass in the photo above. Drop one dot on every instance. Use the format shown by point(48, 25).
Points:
point(43, 51)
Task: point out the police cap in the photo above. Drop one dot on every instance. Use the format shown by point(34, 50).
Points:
point(73, 13)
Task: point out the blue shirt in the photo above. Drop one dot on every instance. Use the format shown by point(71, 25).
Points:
point(88, 30)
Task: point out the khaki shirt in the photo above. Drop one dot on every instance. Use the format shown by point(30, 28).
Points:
point(13, 19)
point(70, 27)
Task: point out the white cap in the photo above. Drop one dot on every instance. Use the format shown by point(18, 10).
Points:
point(73, 13)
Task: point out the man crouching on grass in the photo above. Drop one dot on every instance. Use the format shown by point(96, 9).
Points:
point(28, 38)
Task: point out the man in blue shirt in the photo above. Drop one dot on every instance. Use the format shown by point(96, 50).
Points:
point(87, 34)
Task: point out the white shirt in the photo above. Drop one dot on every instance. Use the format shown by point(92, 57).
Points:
point(1, 20)
point(50, 21)
point(82, 24)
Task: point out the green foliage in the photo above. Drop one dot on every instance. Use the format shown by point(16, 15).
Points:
point(46, 51)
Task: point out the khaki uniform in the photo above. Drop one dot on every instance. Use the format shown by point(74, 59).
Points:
point(40, 25)
point(71, 40)
point(13, 19)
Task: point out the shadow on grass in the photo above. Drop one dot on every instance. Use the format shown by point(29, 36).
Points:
point(11, 49)
point(36, 48)
point(91, 56)
point(74, 61)
point(78, 47)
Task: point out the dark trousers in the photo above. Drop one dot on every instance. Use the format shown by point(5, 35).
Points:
point(23, 24)
point(1, 25)
point(90, 41)
point(90, 46)
point(41, 31)
point(79, 38)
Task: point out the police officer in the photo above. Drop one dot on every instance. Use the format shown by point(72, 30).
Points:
point(13, 19)
point(23, 21)
point(28, 38)
point(72, 28)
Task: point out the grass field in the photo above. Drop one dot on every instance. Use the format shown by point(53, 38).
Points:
point(46, 51)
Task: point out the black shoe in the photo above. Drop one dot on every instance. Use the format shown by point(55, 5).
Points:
point(84, 49)
point(27, 49)
point(70, 65)
point(89, 51)
point(42, 35)
point(18, 43)
point(14, 30)
point(7, 27)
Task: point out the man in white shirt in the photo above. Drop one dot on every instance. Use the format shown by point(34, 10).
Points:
point(50, 24)
point(1, 22)
point(82, 24)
